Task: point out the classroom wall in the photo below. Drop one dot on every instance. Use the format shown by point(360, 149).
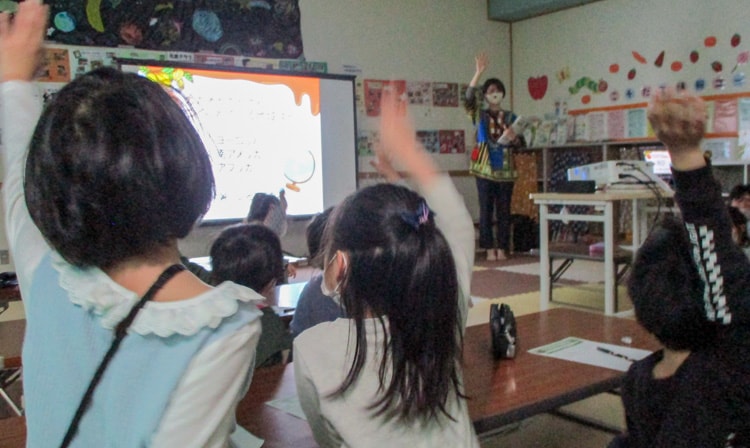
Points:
point(419, 40)
point(583, 42)
point(435, 40)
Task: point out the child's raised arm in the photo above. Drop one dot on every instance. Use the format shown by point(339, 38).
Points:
point(398, 143)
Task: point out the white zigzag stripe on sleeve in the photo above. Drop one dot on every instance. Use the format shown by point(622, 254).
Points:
point(705, 259)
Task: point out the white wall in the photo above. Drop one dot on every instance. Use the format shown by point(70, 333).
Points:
point(588, 39)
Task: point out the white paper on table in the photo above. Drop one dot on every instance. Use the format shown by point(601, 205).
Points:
point(290, 405)
point(242, 438)
point(586, 352)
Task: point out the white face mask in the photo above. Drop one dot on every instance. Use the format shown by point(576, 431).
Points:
point(334, 294)
point(494, 98)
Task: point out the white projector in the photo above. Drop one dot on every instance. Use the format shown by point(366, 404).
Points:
point(616, 173)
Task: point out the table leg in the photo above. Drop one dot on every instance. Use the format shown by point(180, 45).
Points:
point(544, 264)
point(609, 263)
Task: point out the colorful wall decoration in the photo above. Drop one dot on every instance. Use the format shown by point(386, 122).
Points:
point(258, 28)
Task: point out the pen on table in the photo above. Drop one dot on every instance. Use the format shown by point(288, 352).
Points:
point(619, 355)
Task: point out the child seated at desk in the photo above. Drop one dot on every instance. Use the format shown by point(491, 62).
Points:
point(250, 255)
point(389, 373)
point(314, 307)
point(689, 287)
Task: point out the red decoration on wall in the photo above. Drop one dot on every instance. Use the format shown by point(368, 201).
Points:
point(735, 40)
point(614, 68)
point(676, 66)
point(639, 58)
point(585, 99)
point(659, 60)
point(694, 56)
point(710, 41)
point(537, 86)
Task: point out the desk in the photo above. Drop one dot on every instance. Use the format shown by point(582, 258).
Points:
point(603, 202)
point(276, 427)
point(501, 392)
point(510, 390)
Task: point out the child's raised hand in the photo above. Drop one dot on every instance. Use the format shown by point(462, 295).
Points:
point(21, 40)
point(679, 120)
point(398, 142)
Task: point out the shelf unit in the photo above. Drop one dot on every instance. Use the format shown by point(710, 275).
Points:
point(605, 147)
point(729, 172)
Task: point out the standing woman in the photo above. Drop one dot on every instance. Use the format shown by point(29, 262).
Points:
point(492, 160)
point(123, 346)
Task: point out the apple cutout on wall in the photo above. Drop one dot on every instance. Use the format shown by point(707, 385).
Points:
point(537, 87)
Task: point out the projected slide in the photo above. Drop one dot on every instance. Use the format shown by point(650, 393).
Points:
point(262, 132)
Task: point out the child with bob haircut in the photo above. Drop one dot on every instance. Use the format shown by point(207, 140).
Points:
point(250, 255)
point(399, 263)
point(689, 287)
point(123, 346)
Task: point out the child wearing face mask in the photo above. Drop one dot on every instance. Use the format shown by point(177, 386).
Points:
point(492, 159)
point(399, 263)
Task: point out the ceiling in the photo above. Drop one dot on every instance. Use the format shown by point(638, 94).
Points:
point(514, 10)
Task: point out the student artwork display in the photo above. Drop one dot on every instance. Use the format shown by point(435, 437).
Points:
point(263, 28)
point(430, 140)
point(452, 142)
point(445, 94)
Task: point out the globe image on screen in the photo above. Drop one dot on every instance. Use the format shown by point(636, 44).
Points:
point(299, 169)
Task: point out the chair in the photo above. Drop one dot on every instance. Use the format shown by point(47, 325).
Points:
point(10, 372)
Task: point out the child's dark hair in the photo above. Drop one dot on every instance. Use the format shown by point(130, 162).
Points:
point(493, 81)
point(739, 220)
point(738, 191)
point(247, 254)
point(667, 291)
point(400, 270)
point(261, 205)
point(115, 170)
point(314, 235)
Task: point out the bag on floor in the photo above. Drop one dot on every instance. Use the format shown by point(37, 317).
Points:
point(503, 331)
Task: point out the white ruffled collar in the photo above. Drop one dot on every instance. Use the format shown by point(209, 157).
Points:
point(94, 291)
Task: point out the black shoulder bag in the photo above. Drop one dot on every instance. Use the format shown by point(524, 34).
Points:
point(121, 330)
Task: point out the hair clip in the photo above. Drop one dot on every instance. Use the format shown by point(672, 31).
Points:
point(419, 217)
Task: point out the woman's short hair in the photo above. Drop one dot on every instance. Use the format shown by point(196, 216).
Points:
point(247, 254)
point(115, 170)
point(493, 81)
point(667, 291)
point(400, 269)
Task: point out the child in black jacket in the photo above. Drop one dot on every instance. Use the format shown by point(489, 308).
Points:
point(690, 287)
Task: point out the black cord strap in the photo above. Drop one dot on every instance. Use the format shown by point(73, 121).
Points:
point(120, 333)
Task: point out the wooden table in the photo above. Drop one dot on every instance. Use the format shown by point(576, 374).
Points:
point(510, 390)
point(501, 392)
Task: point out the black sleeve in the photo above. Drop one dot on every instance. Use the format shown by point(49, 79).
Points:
point(722, 265)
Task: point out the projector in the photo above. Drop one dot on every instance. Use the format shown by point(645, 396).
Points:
point(616, 174)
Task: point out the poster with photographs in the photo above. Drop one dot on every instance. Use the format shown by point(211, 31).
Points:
point(445, 94)
point(87, 59)
point(419, 93)
point(374, 91)
point(55, 66)
point(366, 141)
point(452, 141)
point(430, 140)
